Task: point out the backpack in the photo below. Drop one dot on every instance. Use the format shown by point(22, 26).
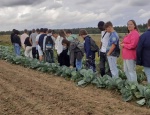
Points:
point(94, 47)
point(49, 43)
point(78, 46)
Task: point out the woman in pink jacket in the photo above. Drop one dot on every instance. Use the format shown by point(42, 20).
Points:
point(129, 45)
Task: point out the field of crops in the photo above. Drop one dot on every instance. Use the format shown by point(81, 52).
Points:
point(129, 91)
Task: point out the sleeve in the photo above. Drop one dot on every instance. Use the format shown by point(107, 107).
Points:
point(139, 51)
point(87, 47)
point(72, 57)
point(114, 40)
point(44, 43)
point(133, 42)
point(19, 41)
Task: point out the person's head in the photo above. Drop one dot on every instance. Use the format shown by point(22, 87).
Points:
point(62, 33)
point(13, 30)
point(37, 31)
point(25, 31)
point(33, 30)
point(65, 43)
point(83, 33)
point(132, 26)
point(49, 31)
point(16, 32)
point(68, 33)
point(30, 32)
point(148, 23)
point(41, 30)
point(54, 34)
point(109, 27)
point(45, 30)
point(101, 26)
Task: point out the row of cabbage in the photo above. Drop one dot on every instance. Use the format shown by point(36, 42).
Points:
point(128, 90)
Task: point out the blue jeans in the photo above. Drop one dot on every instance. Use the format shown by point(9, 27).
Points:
point(147, 72)
point(78, 64)
point(17, 49)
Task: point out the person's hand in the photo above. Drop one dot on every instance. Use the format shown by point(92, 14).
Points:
point(121, 44)
point(108, 54)
point(71, 67)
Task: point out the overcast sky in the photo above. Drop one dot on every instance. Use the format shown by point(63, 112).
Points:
point(21, 14)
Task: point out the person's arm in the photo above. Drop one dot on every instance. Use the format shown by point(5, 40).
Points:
point(100, 46)
point(111, 49)
point(44, 43)
point(30, 39)
point(19, 41)
point(139, 51)
point(133, 42)
point(87, 47)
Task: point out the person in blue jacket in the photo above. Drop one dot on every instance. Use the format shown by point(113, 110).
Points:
point(143, 52)
point(90, 55)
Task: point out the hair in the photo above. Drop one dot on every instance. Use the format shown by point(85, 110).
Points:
point(69, 32)
point(33, 30)
point(65, 41)
point(148, 23)
point(49, 31)
point(17, 32)
point(62, 34)
point(41, 30)
point(37, 30)
point(45, 30)
point(25, 30)
point(136, 27)
point(13, 30)
point(54, 32)
point(30, 32)
point(101, 25)
point(82, 32)
point(108, 24)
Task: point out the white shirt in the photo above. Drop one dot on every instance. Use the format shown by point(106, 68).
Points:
point(37, 39)
point(58, 45)
point(23, 37)
point(104, 41)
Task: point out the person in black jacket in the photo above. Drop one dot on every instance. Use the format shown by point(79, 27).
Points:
point(17, 42)
point(143, 51)
point(11, 38)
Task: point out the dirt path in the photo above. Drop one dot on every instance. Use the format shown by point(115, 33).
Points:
point(27, 92)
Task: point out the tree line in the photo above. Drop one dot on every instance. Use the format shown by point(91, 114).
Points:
point(92, 30)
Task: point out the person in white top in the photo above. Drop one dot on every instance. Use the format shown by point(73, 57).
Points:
point(23, 37)
point(58, 45)
point(103, 45)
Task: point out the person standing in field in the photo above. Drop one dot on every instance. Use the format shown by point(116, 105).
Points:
point(143, 52)
point(11, 38)
point(103, 45)
point(48, 47)
point(28, 48)
point(17, 42)
point(23, 37)
point(33, 42)
point(40, 43)
point(112, 49)
point(90, 55)
point(59, 46)
point(129, 45)
point(64, 54)
point(37, 39)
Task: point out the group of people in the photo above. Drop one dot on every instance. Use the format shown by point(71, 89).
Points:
point(41, 44)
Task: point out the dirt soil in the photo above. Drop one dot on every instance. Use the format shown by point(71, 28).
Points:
point(27, 92)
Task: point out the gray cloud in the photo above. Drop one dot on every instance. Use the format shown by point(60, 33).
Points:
point(11, 3)
point(70, 13)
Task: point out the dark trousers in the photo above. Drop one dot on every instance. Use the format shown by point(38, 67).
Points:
point(103, 62)
point(35, 53)
point(63, 58)
point(90, 63)
point(49, 56)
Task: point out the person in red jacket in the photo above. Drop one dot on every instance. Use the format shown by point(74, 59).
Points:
point(129, 46)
